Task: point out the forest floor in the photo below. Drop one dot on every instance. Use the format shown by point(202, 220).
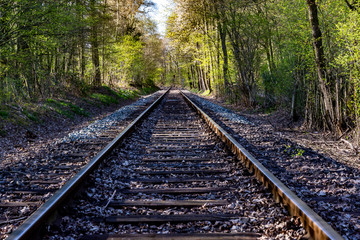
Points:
point(28, 127)
point(279, 123)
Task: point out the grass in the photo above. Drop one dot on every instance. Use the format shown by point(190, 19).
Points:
point(107, 96)
point(113, 95)
point(28, 113)
point(194, 90)
point(66, 109)
point(78, 110)
point(147, 90)
point(120, 94)
point(31, 115)
point(293, 151)
point(105, 99)
point(128, 94)
point(206, 93)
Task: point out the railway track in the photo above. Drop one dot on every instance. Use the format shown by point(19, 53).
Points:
point(25, 185)
point(328, 186)
point(173, 178)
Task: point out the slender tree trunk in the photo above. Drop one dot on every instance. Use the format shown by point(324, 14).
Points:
point(23, 48)
point(218, 66)
point(189, 78)
point(196, 77)
point(83, 60)
point(95, 47)
point(71, 57)
point(201, 77)
point(329, 117)
point(337, 100)
point(222, 32)
point(211, 69)
point(293, 97)
point(96, 58)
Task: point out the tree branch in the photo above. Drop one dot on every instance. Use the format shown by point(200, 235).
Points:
point(352, 6)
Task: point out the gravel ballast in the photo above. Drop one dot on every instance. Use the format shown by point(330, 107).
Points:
point(329, 186)
point(252, 205)
point(95, 129)
point(47, 166)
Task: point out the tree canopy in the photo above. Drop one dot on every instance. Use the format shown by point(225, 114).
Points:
point(46, 46)
point(298, 55)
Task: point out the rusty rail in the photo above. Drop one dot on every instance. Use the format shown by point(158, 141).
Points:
point(29, 227)
point(317, 227)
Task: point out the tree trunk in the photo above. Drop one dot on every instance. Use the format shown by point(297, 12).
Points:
point(83, 60)
point(200, 77)
point(189, 79)
point(96, 58)
point(222, 32)
point(95, 47)
point(329, 118)
point(193, 74)
point(293, 97)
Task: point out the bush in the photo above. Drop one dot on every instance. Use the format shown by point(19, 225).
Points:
point(4, 114)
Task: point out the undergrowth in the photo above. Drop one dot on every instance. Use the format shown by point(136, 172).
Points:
point(148, 90)
point(60, 106)
point(65, 108)
point(110, 96)
point(4, 114)
point(105, 99)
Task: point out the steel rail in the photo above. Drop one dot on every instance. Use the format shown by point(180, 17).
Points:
point(317, 227)
point(27, 229)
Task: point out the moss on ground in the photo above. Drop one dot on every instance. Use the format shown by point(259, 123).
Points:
point(148, 90)
point(105, 99)
point(28, 113)
point(108, 96)
point(65, 108)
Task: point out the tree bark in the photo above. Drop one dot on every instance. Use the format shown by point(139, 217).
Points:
point(352, 6)
point(328, 115)
point(96, 58)
point(95, 47)
point(222, 32)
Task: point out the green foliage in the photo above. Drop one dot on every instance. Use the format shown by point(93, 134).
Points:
point(148, 90)
point(105, 99)
point(4, 114)
point(113, 96)
point(121, 93)
point(299, 153)
point(47, 49)
point(349, 33)
point(30, 115)
point(285, 69)
point(206, 93)
point(78, 110)
point(263, 54)
point(136, 64)
point(67, 109)
point(293, 152)
point(129, 94)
